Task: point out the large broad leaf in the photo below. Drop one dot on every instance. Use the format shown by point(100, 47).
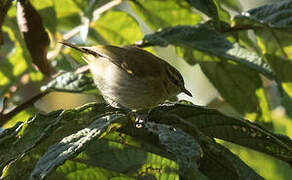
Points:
point(207, 40)
point(41, 131)
point(184, 147)
point(71, 145)
point(220, 163)
point(67, 14)
point(213, 9)
point(160, 14)
point(123, 29)
point(239, 86)
point(71, 82)
point(277, 15)
point(273, 27)
point(215, 124)
point(208, 7)
point(102, 159)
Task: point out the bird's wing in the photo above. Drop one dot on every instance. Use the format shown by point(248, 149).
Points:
point(133, 60)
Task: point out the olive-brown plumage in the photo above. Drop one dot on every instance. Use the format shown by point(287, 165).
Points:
point(131, 77)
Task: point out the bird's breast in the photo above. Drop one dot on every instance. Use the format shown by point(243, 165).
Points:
point(126, 89)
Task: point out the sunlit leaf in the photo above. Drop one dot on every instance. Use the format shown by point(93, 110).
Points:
point(11, 69)
point(70, 82)
point(115, 27)
point(160, 14)
point(232, 4)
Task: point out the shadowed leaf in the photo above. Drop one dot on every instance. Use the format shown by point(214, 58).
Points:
point(209, 41)
point(72, 145)
point(236, 130)
point(277, 15)
point(4, 6)
point(34, 34)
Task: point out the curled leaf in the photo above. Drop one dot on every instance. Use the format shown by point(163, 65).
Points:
point(34, 34)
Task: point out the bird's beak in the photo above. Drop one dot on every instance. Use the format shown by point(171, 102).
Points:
point(187, 92)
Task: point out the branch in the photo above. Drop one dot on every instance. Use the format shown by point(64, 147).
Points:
point(96, 13)
point(4, 118)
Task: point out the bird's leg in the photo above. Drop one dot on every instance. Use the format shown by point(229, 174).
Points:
point(140, 116)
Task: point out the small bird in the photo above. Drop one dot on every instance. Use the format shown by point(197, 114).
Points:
point(130, 77)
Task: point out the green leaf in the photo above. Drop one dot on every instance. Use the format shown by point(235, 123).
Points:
point(11, 69)
point(219, 162)
point(71, 82)
point(282, 67)
point(67, 13)
point(46, 9)
point(184, 147)
point(215, 124)
point(238, 85)
point(277, 15)
point(102, 159)
point(22, 144)
point(216, 161)
point(18, 61)
point(208, 7)
point(224, 15)
point(49, 18)
point(161, 14)
point(232, 4)
point(272, 24)
point(72, 145)
point(123, 29)
point(41, 131)
point(211, 42)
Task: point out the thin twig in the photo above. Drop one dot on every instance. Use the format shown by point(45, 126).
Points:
point(4, 104)
point(4, 118)
point(96, 13)
point(105, 7)
point(77, 29)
